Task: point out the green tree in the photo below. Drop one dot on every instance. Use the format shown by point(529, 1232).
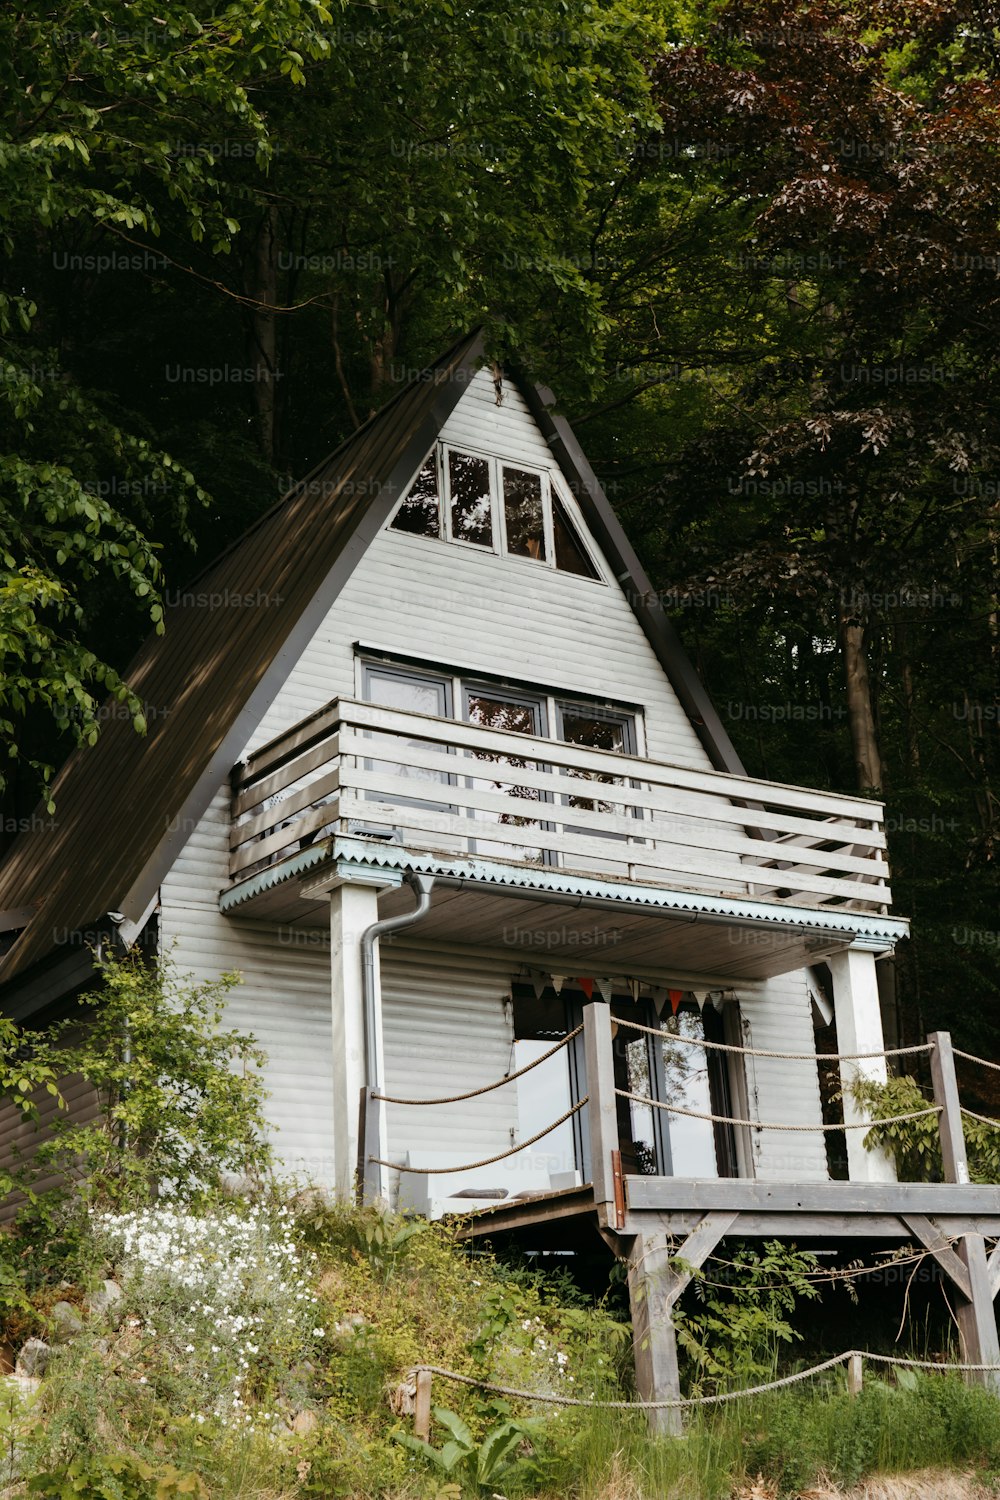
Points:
point(101, 127)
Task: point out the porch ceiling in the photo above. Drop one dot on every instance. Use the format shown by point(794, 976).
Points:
point(588, 926)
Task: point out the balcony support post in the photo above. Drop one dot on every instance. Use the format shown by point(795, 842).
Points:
point(859, 1029)
point(353, 909)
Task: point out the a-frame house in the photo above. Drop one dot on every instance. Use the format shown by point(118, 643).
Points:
point(427, 764)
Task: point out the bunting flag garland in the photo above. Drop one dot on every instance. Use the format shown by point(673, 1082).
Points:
point(607, 989)
point(675, 997)
point(587, 985)
point(557, 981)
point(634, 989)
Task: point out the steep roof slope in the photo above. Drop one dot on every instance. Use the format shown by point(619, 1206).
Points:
point(126, 807)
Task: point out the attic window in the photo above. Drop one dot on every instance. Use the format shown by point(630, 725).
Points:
point(420, 512)
point(523, 513)
point(570, 555)
point(482, 502)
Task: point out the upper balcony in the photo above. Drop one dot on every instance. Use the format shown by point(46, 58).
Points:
point(457, 792)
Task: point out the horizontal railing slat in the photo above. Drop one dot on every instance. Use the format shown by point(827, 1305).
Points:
point(259, 791)
point(662, 797)
point(683, 833)
point(607, 762)
point(323, 786)
point(416, 820)
point(283, 746)
point(284, 838)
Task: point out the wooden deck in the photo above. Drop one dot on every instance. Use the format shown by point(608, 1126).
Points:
point(664, 1228)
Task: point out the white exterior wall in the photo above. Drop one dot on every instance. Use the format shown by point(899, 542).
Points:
point(446, 1030)
point(779, 1014)
point(20, 1137)
point(481, 613)
point(444, 1017)
point(284, 998)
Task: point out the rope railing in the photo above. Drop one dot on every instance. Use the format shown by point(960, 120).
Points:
point(971, 1057)
point(487, 1088)
point(681, 1403)
point(983, 1119)
point(694, 1041)
point(488, 1161)
point(697, 1114)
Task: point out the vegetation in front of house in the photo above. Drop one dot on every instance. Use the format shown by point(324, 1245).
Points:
point(915, 1145)
point(180, 1338)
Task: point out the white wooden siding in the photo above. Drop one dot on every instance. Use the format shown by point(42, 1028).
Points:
point(284, 999)
point(446, 1030)
point(780, 1017)
point(482, 613)
point(20, 1136)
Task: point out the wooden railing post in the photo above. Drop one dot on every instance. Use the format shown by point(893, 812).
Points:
point(975, 1314)
point(953, 1156)
point(598, 1051)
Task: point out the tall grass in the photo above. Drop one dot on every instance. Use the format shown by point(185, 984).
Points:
point(789, 1439)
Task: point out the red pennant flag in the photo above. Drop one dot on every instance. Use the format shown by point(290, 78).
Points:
point(675, 996)
point(587, 985)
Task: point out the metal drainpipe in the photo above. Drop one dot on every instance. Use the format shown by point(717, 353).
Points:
point(422, 886)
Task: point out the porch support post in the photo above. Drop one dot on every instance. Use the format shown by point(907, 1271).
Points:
point(650, 1282)
point(657, 1275)
point(977, 1322)
point(353, 908)
point(859, 1029)
point(601, 1108)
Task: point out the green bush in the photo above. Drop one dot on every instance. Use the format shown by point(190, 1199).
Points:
point(915, 1145)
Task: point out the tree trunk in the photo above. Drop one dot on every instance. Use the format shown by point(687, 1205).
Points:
point(860, 713)
point(264, 333)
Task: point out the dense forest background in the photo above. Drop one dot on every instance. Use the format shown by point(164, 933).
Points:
point(755, 247)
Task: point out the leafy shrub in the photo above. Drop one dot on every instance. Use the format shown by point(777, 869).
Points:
point(915, 1145)
point(742, 1314)
point(180, 1112)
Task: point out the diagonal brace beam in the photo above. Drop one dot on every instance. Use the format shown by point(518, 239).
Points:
point(936, 1241)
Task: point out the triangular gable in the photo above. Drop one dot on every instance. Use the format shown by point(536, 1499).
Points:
point(126, 807)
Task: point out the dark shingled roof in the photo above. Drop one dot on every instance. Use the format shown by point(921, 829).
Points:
point(126, 807)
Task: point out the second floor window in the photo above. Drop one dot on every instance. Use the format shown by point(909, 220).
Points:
point(497, 506)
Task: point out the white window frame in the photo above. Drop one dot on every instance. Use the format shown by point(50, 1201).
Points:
point(552, 488)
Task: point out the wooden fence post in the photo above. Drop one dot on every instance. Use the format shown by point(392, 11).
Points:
point(602, 1110)
point(422, 1406)
point(855, 1374)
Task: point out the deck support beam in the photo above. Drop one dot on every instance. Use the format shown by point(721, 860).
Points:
point(977, 1322)
point(655, 1282)
point(859, 1029)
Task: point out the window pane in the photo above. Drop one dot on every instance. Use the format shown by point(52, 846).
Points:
point(471, 508)
point(524, 518)
point(686, 1080)
point(418, 695)
point(571, 556)
point(520, 718)
point(420, 512)
point(596, 732)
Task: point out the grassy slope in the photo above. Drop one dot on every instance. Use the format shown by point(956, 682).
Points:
point(154, 1390)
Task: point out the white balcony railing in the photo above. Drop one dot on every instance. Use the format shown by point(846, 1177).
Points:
point(458, 790)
